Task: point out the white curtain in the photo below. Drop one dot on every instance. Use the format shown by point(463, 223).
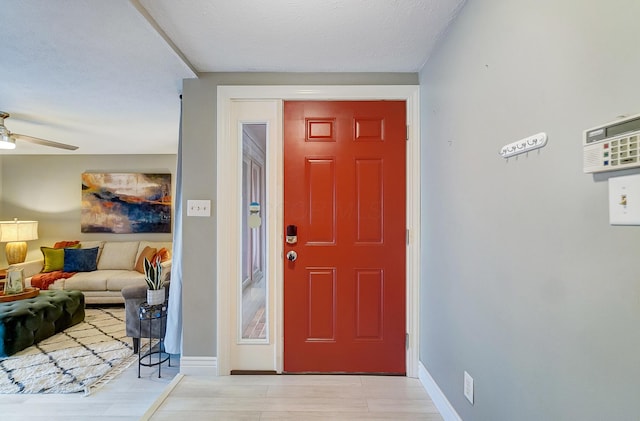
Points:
point(173, 337)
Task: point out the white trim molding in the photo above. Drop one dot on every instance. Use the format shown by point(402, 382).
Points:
point(439, 399)
point(201, 366)
point(163, 396)
point(226, 256)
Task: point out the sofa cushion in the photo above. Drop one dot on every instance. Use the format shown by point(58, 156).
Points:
point(147, 253)
point(118, 280)
point(118, 255)
point(80, 260)
point(85, 281)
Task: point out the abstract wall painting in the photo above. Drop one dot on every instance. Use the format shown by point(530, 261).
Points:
point(123, 203)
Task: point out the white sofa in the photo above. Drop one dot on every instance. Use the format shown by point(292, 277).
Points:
point(115, 270)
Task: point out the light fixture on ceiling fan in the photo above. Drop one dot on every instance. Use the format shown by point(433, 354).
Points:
point(8, 139)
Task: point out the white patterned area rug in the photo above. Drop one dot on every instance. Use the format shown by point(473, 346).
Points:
point(79, 359)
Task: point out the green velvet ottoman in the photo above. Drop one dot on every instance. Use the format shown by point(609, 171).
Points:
point(26, 322)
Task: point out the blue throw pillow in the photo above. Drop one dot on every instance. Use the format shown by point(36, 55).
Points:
point(80, 260)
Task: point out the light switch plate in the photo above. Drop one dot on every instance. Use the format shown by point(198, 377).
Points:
point(624, 200)
point(198, 207)
point(468, 387)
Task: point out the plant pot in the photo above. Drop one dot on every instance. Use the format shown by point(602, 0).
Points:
point(155, 296)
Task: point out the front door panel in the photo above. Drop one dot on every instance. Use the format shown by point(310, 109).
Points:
point(345, 191)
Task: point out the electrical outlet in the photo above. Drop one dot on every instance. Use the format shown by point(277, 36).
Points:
point(198, 207)
point(468, 387)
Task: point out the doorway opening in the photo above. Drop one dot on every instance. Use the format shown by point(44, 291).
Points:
point(238, 104)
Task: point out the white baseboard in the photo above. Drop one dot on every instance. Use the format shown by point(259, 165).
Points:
point(199, 366)
point(439, 399)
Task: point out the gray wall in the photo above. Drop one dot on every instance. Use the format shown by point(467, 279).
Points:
point(48, 189)
point(525, 284)
point(199, 182)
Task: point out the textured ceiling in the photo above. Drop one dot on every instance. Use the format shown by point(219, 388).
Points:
point(304, 35)
point(99, 75)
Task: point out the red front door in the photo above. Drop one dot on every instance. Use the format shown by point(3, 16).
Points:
point(344, 190)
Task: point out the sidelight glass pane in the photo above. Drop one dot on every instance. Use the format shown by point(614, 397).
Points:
point(253, 303)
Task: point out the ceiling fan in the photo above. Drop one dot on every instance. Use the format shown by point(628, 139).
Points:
point(8, 139)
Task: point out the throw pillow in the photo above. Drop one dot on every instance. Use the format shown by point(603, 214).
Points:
point(53, 258)
point(149, 253)
point(80, 260)
point(164, 255)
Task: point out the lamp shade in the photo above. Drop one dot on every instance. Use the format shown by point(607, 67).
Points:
point(18, 231)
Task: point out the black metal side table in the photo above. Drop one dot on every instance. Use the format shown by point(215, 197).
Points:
point(153, 315)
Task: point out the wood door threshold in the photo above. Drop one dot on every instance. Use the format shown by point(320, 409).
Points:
point(252, 372)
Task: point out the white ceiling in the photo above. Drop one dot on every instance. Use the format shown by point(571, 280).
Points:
point(104, 76)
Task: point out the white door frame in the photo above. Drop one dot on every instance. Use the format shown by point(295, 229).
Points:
point(228, 241)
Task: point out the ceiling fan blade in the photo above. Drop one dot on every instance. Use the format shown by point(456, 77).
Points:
point(44, 142)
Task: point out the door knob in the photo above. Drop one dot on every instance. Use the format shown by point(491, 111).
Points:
point(292, 256)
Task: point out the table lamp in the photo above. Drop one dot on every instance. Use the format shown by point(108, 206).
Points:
point(16, 233)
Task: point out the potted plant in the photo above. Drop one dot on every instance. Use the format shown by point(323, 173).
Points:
point(155, 284)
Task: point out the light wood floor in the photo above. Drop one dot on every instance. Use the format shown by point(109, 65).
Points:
point(269, 397)
point(297, 397)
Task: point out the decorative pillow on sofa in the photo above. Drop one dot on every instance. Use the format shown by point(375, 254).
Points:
point(80, 260)
point(149, 253)
point(164, 255)
point(54, 258)
point(158, 245)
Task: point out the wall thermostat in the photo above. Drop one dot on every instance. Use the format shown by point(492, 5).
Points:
point(612, 146)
